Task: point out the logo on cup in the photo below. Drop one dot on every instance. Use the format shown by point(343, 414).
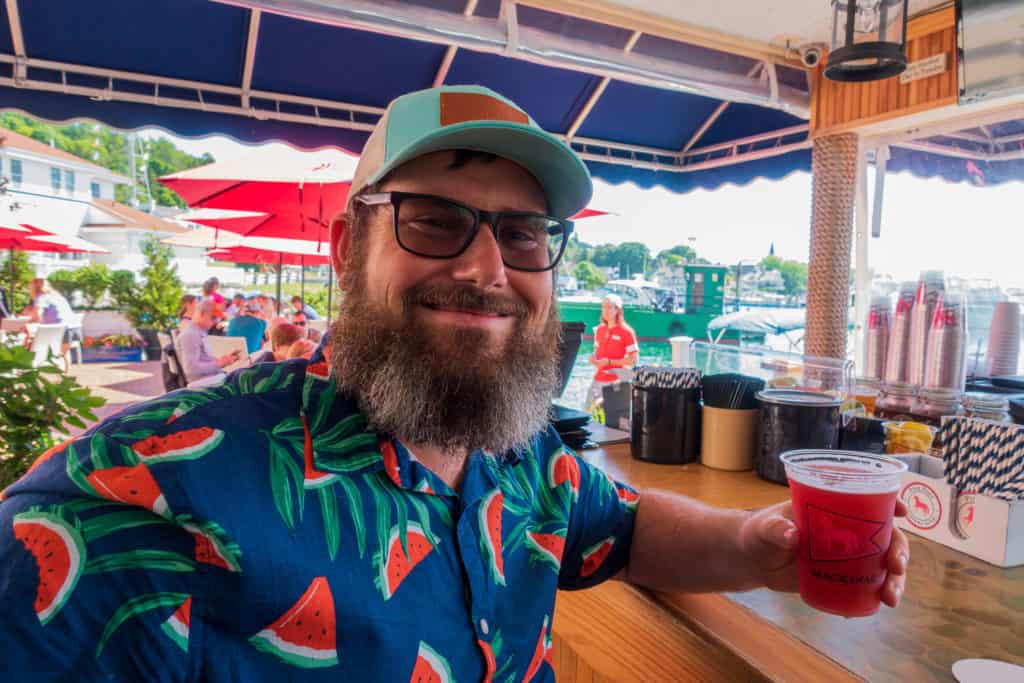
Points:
point(965, 513)
point(924, 509)
point(834, 537)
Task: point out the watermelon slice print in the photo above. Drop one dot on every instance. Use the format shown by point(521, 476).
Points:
point(49, 453)
point(176, 626)
point(305, 635)
point(59, 551)
point(319, 370)
point(490, 533)
point(387, 449)
point(489, 661)
point(595, 555)
point(133, 485)
point(562, 468)
point(540, 653)
point(213, 546)
point(548, 548)
point(627, 496)
point(188, 444)
point(313, 478)
point(396, 565)
point(430, 667)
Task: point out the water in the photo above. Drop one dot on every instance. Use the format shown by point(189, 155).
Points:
point(651, 353)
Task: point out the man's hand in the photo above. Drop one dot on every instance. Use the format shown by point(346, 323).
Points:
point(230, 358)
point(769, 540)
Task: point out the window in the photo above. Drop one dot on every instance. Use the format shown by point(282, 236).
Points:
point(94, 188)
point(69, 181)
point(55, 179)
point(16, 172)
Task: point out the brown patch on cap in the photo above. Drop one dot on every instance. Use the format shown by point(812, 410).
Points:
point(459, 107)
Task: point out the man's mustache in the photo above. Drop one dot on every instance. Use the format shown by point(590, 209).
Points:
point(464, 298)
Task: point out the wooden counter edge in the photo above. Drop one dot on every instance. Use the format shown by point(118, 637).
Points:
point(758, 642)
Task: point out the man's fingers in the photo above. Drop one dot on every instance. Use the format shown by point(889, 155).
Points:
point(779, 532)
point(899, 554)
point(892, 591)
point(901, 508)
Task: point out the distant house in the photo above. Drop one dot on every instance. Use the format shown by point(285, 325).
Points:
point(60, 192)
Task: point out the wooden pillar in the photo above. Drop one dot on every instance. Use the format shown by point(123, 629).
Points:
point(834, 166)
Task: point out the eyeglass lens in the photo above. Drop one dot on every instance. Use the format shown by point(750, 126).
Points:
point(437, 228)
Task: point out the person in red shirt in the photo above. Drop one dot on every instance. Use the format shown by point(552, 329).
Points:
point(615, 349)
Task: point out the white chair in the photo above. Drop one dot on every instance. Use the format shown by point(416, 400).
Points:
point(75, 350)
point(48, 340)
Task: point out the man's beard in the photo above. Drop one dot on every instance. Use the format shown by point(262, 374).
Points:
point(454, 388)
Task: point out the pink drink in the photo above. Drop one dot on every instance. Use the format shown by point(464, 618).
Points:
point(843, 505)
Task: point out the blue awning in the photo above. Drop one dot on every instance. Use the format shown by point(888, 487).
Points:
point(183, 63)
point(198, 67)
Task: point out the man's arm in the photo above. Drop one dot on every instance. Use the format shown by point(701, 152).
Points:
point(680, 544)
point(196, 359)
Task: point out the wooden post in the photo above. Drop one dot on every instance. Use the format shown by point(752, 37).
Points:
point(834, 166)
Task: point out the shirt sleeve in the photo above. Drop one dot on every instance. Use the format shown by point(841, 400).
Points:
point(91, 589)
point(632, 345)
point(600, 530)
point(196, 359)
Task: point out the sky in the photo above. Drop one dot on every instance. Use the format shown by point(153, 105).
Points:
point(963, 230)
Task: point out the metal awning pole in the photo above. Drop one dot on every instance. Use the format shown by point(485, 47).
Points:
point(280, 267)
point(330, 291)
point(302, 278)
point(862, 271)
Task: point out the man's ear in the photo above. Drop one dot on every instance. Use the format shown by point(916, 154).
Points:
point(341, 245)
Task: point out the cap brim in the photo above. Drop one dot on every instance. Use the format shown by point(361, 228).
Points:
point(562, 175)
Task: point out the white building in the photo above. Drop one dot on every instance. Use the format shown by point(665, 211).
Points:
point(51, 189)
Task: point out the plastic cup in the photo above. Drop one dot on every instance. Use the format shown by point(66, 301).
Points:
point(843, 506)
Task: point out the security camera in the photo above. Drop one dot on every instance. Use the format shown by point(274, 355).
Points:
point(810, 55)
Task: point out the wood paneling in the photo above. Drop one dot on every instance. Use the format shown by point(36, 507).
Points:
point(840, 107)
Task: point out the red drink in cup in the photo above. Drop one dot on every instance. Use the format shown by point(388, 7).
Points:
point(843, 505)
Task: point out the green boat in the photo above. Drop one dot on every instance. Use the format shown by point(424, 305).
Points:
point(656, 313)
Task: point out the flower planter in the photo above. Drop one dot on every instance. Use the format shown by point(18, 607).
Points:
point(112, 354)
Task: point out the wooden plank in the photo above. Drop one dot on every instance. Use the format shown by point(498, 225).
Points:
point(853, 126)
point(932, 22)
point(652, 24)
point(617, 633)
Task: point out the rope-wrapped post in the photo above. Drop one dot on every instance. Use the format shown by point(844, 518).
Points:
point(834, 165)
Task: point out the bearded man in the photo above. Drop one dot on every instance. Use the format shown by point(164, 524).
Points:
point(398, 505)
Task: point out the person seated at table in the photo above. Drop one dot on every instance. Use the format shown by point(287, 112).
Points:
point(250, 326)
point(49, 307)
point(282, 337)
point(236, 307)
point(299, 320)
point(303, 348)
point(186, 309)
point(300, 306)
point(197, 360)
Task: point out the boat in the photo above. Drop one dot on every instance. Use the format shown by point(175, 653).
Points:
point(655, 312)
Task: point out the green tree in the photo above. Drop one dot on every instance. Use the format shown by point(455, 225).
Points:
point(18, 296)
point(631, 257)
point(794, 275)
point(154, 303)
point(122, 287)
point(93, 280)
point(684, 251)
point(576, 251)
point(588, 275)
point(771, 263)
point(65, 282)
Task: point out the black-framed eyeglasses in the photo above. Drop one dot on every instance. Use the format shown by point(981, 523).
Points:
point(441, 228)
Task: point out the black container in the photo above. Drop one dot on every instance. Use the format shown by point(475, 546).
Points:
point(793, 420)
point(665, 425)
point(618, 398)
point(864, 434)
point(568, 346)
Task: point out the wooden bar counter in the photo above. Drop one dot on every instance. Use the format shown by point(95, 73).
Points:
point(954, 607)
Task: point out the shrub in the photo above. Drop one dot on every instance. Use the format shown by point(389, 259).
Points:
point(93, 281)
point(154, 304)
point(65, 282)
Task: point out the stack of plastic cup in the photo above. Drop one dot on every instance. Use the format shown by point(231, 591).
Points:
point(876, 338)
point(1004, 340)
point(897, 365)
point(947, 344)
point(930, 287)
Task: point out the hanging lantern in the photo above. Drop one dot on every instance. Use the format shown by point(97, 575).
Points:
point(869, 38)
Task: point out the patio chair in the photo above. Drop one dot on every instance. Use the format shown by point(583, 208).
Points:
point(47, 341)
point(173, 376)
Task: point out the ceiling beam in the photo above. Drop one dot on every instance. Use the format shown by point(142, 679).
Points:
point(598, 91)
point(449, 54)
point(17, 39)
point(250, 53)
point(719, 110)
point(628, 17)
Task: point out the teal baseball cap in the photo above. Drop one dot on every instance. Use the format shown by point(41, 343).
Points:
point(475, 118)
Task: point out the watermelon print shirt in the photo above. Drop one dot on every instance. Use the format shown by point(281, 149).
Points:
point(258, 531)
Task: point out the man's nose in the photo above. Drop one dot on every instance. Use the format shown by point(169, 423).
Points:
point(481, 263)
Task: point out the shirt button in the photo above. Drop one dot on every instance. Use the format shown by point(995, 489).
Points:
point(483, 626)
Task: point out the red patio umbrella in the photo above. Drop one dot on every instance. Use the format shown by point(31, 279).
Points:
point(25, 237)
point(251, 255)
